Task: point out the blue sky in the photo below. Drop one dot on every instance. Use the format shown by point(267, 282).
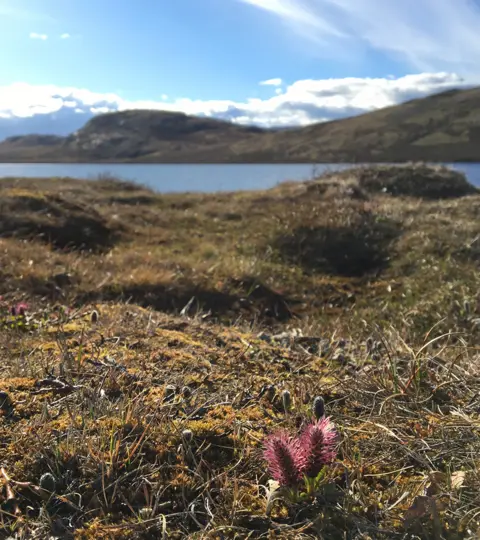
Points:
point(203, 49)
point(327, 58)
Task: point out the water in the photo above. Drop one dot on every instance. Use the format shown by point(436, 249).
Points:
point(181, 178)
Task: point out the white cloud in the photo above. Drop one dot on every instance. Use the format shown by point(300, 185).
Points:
point(65, 36)
point(272, 82)
point(301, 103)
point(429, 35)
point(42, 37)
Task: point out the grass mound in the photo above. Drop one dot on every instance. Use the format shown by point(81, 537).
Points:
point(53, 219)
point(354, 243)
point(420, 180)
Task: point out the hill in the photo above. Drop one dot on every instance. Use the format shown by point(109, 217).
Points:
point(150, 344)
point(134, 136)
point(440, 128)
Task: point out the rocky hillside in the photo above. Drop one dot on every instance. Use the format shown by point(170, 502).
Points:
point(440, 128)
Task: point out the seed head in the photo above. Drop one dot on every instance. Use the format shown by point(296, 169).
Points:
point(318, 407)
point(186, 392)
point(270, 392)
point(267, 390)
point(48, 482)
point(187, 435)
point(145, 512)
point(170, 392)
point(286, 400)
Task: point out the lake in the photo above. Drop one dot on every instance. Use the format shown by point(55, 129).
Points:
point(206, 178)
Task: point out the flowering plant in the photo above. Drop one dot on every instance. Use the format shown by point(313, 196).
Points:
point(296, 460)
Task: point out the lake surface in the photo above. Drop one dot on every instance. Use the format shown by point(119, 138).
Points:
point(206, 178)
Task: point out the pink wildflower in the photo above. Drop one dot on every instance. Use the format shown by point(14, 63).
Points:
point(19, 309)
point(283, 456)
point(317, 446)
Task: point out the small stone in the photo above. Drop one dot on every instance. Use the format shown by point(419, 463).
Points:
point(318, 407)
point(48, 482)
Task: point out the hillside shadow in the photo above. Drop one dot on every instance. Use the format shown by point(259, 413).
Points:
point(238, 298)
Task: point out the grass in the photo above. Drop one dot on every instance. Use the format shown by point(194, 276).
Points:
point(195, 315)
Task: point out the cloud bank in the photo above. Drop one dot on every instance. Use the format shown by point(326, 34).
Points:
point(26, 108)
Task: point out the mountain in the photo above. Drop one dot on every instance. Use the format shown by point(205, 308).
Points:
point(440, 128)
point(62, 122)
point(139, 135)
point(443, 127)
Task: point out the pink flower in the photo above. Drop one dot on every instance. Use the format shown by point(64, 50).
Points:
point(282, 453)
point(317, 447)
point(19, 309)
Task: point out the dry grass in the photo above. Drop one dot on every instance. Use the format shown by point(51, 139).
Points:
point(101, 399)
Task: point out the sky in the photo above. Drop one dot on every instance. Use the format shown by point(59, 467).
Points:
point(264, 62)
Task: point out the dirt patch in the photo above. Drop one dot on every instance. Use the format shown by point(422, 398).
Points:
point(55, 220)
point(360, 247)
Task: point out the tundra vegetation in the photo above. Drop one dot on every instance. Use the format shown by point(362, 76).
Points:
point(300, 362)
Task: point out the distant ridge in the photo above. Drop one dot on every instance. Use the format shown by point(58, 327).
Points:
point(443, 127)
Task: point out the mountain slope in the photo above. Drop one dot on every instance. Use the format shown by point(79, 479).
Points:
point(443, 127)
